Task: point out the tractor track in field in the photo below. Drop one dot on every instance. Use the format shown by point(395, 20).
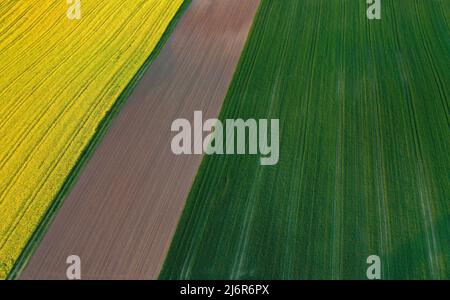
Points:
point(363, 156)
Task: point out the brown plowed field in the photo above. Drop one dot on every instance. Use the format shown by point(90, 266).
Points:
point(121, 214)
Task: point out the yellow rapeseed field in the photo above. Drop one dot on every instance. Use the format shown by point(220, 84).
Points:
point(58, 80)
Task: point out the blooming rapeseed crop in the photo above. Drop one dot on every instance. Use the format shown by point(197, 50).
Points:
point(59, 78)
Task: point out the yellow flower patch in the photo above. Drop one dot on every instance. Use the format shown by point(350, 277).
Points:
point(58, 79)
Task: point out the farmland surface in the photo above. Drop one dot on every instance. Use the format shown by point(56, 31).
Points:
point(364, 150)
point(59, 79)
point(123, 210)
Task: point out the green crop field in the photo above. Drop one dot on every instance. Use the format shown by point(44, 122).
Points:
point(364, 163)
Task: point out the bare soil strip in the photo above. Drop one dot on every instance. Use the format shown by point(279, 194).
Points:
point(122, 213)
